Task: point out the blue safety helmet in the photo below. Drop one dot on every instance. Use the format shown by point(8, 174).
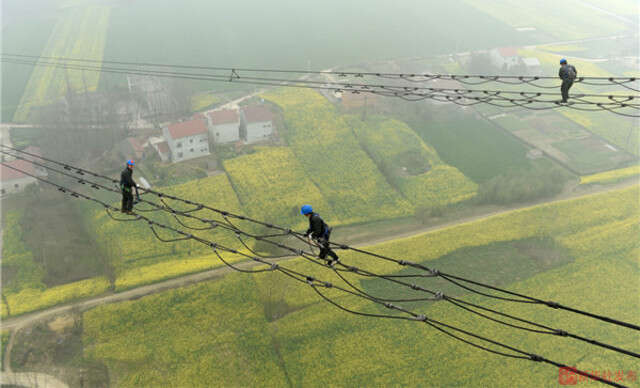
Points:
point(306, 209)
point(563, 61)
point(130, 162)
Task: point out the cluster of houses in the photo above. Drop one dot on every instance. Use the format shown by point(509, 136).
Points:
point(192, 138)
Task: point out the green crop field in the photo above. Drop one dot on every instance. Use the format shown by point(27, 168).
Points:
point(410, 164)
point(133, 256)
point(272, 186)
point(18, 267)
point(611, 176)
point(23, 278)
point(474, 146)
point(623, 132)
point(136, 255)
point(79, 33)
point(330, 155)
point(21, 38)
point(268, 330)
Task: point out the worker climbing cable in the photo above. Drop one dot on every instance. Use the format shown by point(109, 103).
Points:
point(126, 185)
point(319, 232)
point(568, 74)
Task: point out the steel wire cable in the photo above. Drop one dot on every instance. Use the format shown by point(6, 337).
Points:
point(315, 283)
point(613, 103)
point(436, 295)
point(456, 280)
point(410, 77)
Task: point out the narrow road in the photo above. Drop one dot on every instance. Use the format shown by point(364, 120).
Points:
point(30, 379)
point(21, 321)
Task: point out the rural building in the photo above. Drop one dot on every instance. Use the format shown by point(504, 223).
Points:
point(131, 148)
point(257, 123)
point(224, 125)
point(187, 140)
point(505, 57)
point(533, 65)
point(163, 151)
point(15, 181)
point(159, 145)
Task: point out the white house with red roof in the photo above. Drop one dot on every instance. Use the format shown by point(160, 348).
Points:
point(257, 123)
point(13, 181)
point(187, 139)
point(505, 57)
point(224, 125)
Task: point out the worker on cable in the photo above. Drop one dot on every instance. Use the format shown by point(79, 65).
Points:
point(567, 74)
point(126, 185)
point(320, 232)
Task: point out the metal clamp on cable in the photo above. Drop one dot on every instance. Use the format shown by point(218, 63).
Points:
point(274, 267)
point(552, 304)
point(310, 280)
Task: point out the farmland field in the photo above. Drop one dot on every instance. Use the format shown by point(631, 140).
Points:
point(330, 155)
point(19, 269)
point(79, 33)
point(611, 176)
point(623, 132)
point(540, 16)
point(133, 247)
point(410, 164)
point(565, 140)
point(24, 279)
point(472, 145)
point(19, 37)
point(272, 186)
point(127, 255)
point(565, 251)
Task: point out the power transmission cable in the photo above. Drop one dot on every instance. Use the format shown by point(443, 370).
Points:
point(457, 280)
point(436, 295)
point(469, 79)
point(463, 97)
point(316, 283)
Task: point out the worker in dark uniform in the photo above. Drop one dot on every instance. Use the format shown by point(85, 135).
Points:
point(320, 232)
point(567, 74)
point(126, 185)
